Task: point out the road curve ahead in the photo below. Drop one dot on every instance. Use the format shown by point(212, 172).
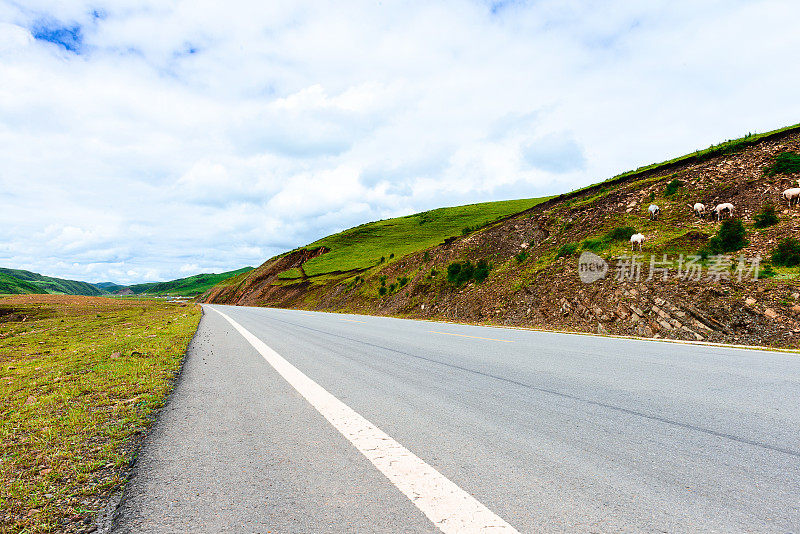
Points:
point(294, 421)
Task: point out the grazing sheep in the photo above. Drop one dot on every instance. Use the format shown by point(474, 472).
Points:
point(792, 196)
point(720, 209)
point(699, 210)
point(637, 239)
point(653, 210)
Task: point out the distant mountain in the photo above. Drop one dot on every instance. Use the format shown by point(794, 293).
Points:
point(37, 283)
point(186, 287)
point(108, 287)
point(17, 281)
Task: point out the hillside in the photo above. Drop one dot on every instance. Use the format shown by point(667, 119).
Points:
point(37, 283)
point(522, 269)
point(185, 287)
point(10, 285)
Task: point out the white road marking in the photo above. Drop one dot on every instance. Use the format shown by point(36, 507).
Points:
point(352, 321)
point(449, 507)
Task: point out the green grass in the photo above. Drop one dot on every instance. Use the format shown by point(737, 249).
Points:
point(49, 284)
point(79, 378)
point(363, 246)
point(187, 287)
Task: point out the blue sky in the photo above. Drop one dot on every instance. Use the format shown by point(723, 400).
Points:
point(149, 140)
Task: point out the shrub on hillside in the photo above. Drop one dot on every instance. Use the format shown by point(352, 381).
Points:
point(521, 256)
point(481, 271)
point(459, 273)
point(593, 243)
point(402, 281)
point(785, 163)
point(620, 233)
point(766, 217)
point(567, 249)
point(787, 253)
point(673, 187)
point(730, 238)
point(382, 290)
point(766, 271)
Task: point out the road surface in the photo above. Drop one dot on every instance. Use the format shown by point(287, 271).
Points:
point(542, 432)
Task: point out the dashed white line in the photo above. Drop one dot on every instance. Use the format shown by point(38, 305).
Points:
point(450, 508)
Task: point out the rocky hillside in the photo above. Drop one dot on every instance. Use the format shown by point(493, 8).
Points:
point(523, 270)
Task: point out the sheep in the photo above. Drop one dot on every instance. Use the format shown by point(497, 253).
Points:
point(637, 239)
point(653, 210)
point(792, 196)
point(719, 209)
point(699, 210)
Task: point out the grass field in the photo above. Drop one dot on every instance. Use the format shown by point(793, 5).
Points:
point(80, 378)
point(187, 287)
point(364, 246)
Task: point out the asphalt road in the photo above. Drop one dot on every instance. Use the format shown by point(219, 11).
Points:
point(550, 432)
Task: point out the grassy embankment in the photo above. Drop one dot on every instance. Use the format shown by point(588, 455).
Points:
point(80, 378)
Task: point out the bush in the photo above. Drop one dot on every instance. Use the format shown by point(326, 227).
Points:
point(392, 288)
point(402, 281)
point(620, 233)
point(382, 290)
point(785, 163)
point(673, 187)
point(466, 230)
point(766, 271)
point(481, 271)
point(730, 238)
point(391, 255)
point(593, 243)
point(652, 196)
point(383, 259)
point(567, 249)
point(434, 272)
point(787, 253)
point(766, 217)
point(461, 272)
point(382, 278)
point(522, 256)
point(426, 256)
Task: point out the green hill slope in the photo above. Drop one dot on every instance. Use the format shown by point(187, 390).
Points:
point(363, 247)
point(186, 287)
point(10, 285)
point(49, 284)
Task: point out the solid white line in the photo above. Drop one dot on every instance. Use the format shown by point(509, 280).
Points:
point(449, 507)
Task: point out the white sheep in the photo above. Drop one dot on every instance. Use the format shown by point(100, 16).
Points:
point(637, 239)
point(792, 196)
point(653, 210)
point(699, 209)
point(719, 209)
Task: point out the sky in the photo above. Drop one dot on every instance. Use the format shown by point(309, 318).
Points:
point(154, 139)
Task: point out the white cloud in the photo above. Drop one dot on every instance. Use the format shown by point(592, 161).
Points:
point(161, 137)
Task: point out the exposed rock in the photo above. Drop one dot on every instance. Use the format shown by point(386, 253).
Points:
point(749, 301)
point(772, 314)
